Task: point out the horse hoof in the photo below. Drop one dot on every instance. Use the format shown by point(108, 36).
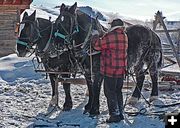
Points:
point(132, 100)
point(87, 107)
point(153, 98)
point(67, 106)
point(94, 113)
point(86, 111)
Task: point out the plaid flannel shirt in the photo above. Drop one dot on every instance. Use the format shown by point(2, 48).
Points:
point(113, 47)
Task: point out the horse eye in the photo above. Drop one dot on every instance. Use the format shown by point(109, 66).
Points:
point(62, 18)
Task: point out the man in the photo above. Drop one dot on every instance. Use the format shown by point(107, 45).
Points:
point(113, 46)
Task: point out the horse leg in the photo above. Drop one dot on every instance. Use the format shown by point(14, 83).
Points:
point(96, 92)
point(139, 84)
point(90, 89)
point(68, 100)
point(154, 77)
point(54, 85)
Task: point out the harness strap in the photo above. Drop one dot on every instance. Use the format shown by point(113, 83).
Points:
point(57, 34)
point(22, 43)
point(67, 36)
point(49, 41)
point(87, 37)
point(32, 23)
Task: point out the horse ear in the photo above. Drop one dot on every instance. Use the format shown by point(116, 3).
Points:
point(25, 15)
point(33, 16)
point(73, 8)
point(62, 7)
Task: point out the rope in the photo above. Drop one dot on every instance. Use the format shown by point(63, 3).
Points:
point(91, 65)
point(141, 93)
point(49, 41)
point(87, 37)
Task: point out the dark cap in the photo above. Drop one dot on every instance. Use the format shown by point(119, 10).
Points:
point(117, 22)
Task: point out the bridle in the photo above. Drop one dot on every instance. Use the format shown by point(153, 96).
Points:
point(67, 37)
point(28, 43)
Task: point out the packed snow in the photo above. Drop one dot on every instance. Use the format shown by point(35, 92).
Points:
point(25, 95)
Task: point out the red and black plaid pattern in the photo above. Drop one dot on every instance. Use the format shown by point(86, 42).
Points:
point(113, 47)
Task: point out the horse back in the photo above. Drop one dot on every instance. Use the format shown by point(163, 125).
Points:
point(143, 43)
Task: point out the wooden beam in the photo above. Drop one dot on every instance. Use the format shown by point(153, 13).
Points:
point(15, 2)
point(81, 81)
point(169, 59)
point(170, 73)
point(173, 30)
point(13, 7)
point(160, 19)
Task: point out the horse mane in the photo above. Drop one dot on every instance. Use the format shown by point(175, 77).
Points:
point(80, 13)
point(94, 20)
point(85, 16)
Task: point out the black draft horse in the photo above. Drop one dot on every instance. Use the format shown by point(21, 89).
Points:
point(144, 47)
point(39, 33)
point(55, 56)
point(74, 31)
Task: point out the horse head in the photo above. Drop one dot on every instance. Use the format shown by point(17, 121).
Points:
point(66, 25)
point(75, 27)
point(34, 31)
point(28, 34)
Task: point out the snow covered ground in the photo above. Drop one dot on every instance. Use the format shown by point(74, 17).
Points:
point(25, 95)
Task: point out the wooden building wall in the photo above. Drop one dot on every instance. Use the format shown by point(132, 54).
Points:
point(9, 16)
point(7, 32)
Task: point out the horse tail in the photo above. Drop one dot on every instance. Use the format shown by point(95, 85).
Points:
point(161, 54)
point(160, 60)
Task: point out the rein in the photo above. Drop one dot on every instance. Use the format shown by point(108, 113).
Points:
point(50, 39)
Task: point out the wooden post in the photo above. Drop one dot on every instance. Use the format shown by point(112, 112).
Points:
point(178, 43)
point(159, 19)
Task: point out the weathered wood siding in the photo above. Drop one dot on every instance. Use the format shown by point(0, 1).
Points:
point(7, 35)
point(9, 16)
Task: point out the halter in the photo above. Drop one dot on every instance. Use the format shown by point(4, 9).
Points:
point(67, 37)
point(33, 25)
